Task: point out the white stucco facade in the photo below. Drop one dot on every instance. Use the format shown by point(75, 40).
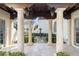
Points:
point(74, 15)
point(47, 26)
point(6, 16)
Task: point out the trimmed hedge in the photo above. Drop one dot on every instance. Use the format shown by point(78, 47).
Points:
point(53, 38)
point(17, 53)
point(1, 41)
point(62, 54)
point(2, 53)
point(37, 34)
point(25, 39)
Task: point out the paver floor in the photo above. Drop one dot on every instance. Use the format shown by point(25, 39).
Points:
point(42, 49)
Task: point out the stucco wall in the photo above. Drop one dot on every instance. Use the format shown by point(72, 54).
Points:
point(74, 15)
point(4, 15)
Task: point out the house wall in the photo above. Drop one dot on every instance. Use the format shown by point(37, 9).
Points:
point(6, 17)
point(74, 15)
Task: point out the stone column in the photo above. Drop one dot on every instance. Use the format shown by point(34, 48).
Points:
point(59, 34)
point(49, 31)
point(73, 33)
point(20, 29)
point(30, 33)
point(69, 32)
point(7, 32)
point(12, 27)
point(10, 41)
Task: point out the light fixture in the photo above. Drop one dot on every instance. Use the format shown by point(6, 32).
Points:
point(52, 11)
point(26, 11)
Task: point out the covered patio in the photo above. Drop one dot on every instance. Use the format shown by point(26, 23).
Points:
point(50, 12)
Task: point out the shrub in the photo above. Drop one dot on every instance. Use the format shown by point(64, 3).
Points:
point(33, 36)
point(53, 38)
point(25, 39)
point(16, 53)
point(1, 41)
point(62, 54)
point(3, 53)
point(37, 34)
point(33, 39)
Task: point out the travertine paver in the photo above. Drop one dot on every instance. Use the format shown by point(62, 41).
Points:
point(73, 51)
point(42, 49)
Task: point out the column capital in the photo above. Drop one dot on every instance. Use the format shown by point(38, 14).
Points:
point(19, 9)
point(60, 9)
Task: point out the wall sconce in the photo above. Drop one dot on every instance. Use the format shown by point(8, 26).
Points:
point(26, 11)
point(52, 11)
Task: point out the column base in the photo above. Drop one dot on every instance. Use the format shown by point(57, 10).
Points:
point(30, 44)
point(49, 44)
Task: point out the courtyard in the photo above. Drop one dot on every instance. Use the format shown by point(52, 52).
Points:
point(37, 29)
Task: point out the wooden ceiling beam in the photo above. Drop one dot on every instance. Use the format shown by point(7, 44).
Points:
point(11, 11)
point(69, 10)
point(40, 10)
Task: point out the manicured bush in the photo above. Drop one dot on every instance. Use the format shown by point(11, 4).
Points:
point(33, 39)
point(2, 53)
point(53, 38)
point(16, 53)
point(37, 34)
point(33, 36)
point(1, 41)
point(62, 54)
point(25, 39)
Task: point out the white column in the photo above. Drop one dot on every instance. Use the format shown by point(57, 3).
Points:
point(12, 27)
point(20, 29)
point(7, 32)
point(59, 34)
point(49, 31)
point(30, 32)
point(10, 41)
point(73, 33)
point(69, 32)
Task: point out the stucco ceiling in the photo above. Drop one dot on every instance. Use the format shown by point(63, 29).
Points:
point(56, 5)
point(38, 7)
